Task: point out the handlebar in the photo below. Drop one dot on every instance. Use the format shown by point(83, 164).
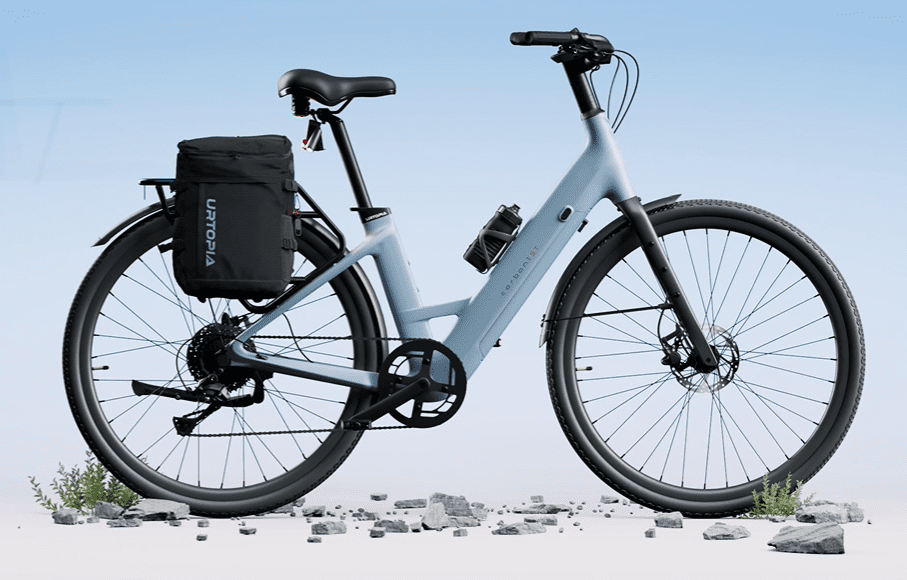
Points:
point(538, 38)
point(543, 38)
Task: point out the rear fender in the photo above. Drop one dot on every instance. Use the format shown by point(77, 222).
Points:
point(142, 213)
point(568, 273)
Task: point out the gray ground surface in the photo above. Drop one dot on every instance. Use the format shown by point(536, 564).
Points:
point(616, 547)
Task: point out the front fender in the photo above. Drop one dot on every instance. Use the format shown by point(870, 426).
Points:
point(568, 273)
point(153, 208)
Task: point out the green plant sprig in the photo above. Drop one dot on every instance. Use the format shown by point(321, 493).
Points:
point(776, 500)
point(83, 490)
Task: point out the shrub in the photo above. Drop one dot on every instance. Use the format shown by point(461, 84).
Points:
point(776, 500)
point(83, 490)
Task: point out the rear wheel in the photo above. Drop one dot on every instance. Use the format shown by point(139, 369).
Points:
point(782, 322)
point(131, 322)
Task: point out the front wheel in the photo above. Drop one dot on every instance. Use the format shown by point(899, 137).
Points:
point(776, 311)
point(131, 322)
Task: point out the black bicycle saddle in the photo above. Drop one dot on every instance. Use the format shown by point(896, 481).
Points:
point(331, 90)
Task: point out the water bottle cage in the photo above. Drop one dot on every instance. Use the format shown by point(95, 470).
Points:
point(478, 252)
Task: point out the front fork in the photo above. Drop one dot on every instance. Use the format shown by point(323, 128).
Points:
point(705, 358)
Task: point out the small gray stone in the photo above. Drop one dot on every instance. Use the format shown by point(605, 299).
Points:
point(560, 530)
point(463, 521)
point(108, 511)
point(247, 531)
point(777, 519)
point(435, 518)
point(94, 520)
point(480, 513)
point(376, 533)
point(411, 503)
point(415, 527)
point(379, 496)
point(607, 515)
point(454, 505)
point(338, 507)
point(544, 520)
point(576, 524)
point(543, 508)
point(328, 528)
point(459, 533)
point(314, 511)
point(519, 529)
point(827, 538)
point(175, 523)
point(158, 510)
point(201, 537)
point(203, 523)
point(721, 531)
point(67, 516)
point(500, 512)
point(537, 499)
point(81, 522)
point(669, 520)
point(125, 523)
point(393, 526)
point(823, 511)
point(314, 540)
point(609, 499)
point(284, 509)
point(650, 533)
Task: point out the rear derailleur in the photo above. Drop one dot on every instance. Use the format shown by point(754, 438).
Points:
point(209, 365)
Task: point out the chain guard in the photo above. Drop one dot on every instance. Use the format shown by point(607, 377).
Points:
point(445, 389)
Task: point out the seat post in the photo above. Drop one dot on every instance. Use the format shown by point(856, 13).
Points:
point(349, 160)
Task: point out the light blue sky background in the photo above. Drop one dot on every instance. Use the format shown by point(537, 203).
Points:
point(797, 108)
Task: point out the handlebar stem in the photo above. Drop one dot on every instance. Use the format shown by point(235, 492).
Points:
point(582, 90)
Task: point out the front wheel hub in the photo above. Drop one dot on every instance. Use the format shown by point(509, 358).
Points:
point(685, 365)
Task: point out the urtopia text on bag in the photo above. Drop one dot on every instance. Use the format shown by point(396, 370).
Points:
point(233, 234)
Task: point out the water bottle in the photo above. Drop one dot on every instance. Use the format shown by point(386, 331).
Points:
point(485, 251)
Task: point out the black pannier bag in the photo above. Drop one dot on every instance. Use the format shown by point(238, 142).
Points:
point(233, 233)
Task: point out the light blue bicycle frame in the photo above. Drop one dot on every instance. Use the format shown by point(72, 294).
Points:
point(598, 173)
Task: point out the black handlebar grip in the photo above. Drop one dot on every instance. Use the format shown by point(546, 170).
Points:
point(537, 38)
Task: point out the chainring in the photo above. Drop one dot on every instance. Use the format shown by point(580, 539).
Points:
point(429, 360)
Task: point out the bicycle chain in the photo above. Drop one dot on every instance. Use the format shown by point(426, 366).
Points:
point(311, 430)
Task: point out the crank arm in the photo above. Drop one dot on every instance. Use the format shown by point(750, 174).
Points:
point(387, 405)
point(642, 226)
